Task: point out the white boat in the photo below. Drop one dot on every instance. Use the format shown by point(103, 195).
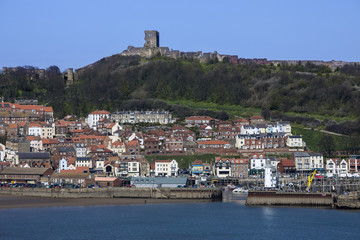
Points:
point(239, 190)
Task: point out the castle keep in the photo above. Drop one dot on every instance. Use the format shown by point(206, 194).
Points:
point(151, 39)
point(152, 48)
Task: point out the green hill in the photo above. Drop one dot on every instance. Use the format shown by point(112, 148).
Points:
point(120, 82)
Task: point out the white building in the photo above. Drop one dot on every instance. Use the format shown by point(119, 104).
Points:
point(270, 175)
point(308, 161)
point(81, 150)
point(2, 152)
point(161, 117)
point(48, 131)
point(133, 169)
point(117, 147)
point(257, 161)
point(250, 130)
point(84, 162)
point(94, 117)
point(222, 167)
point(36, 143)
point(336, 167)
point(34, 129)
point(166, 168)
point(295, 142)
point(63, 164)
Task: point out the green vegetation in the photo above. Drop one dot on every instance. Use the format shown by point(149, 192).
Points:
point(313, 138)
point(234, 110)
point(183, 160)
point(242, 89)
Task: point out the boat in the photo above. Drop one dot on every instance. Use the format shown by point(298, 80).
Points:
point(239, 191)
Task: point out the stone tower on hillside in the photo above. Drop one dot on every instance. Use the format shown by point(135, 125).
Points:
point(152, 39)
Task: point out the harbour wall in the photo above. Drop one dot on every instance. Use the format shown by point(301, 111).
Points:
point(156, 193)
point(350, 201)
point(290, 199)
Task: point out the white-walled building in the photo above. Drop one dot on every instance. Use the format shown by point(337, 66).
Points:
point(84, 162)
point(222, 167)
point(308, 161)
point(63, 164)
point(94, 117)
point(270, 180)
point(133, 169)
point(41, 130)
point(295, 142)
point(161, 117)
point(117, 147)
point(2, 152)
point(34, 129)
point(81, 150)
point(257, 161)
point(166, 168)
point(336, 167)
point(47, 130)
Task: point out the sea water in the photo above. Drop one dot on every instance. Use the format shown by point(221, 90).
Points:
point(217, 220)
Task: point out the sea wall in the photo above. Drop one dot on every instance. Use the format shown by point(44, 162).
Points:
point(289, 199)
point(156, 193)
point(351, 201)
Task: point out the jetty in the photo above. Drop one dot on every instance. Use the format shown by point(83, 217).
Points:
point(290, 199)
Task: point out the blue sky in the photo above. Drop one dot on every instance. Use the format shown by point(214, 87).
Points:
point(76, 33)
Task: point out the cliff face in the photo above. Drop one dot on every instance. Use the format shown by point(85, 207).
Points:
point(351, 201)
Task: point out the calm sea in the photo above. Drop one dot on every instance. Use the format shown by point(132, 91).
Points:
point(218, 220)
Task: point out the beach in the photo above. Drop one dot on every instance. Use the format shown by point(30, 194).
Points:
point(8, 201)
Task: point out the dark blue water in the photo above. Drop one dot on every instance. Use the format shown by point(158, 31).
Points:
point(178, 221)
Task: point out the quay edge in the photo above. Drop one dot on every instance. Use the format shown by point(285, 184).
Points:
point(290, 199)
point(155, 193)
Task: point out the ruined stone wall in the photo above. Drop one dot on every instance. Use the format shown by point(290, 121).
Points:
point(331, 64)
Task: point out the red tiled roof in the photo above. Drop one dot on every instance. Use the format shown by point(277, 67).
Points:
point(219, 142)
point(35, 124)
point(105, 179)
point(100, 112)
point(287, 163)
point(197, 162)
point(77, 170)
point(50, 141)
point(13, 125)
point(164, 161)
point(133, 142)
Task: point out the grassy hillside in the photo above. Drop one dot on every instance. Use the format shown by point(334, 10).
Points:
point(111, 82)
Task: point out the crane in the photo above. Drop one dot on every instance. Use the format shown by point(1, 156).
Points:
point(310, 179)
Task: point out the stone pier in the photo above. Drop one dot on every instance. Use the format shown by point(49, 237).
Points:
point(156, 193)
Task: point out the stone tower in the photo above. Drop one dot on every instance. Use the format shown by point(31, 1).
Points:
point(70, 74)
point(151, 39)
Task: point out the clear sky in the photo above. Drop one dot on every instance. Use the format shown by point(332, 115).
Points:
point(75, 33)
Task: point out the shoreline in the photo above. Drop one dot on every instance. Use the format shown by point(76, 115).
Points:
point(11, 201)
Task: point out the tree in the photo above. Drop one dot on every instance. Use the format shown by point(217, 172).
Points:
point(266, 113)
point(327, 144)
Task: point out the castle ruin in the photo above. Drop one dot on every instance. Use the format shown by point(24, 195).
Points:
point(69, 76)
point(152, 48)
